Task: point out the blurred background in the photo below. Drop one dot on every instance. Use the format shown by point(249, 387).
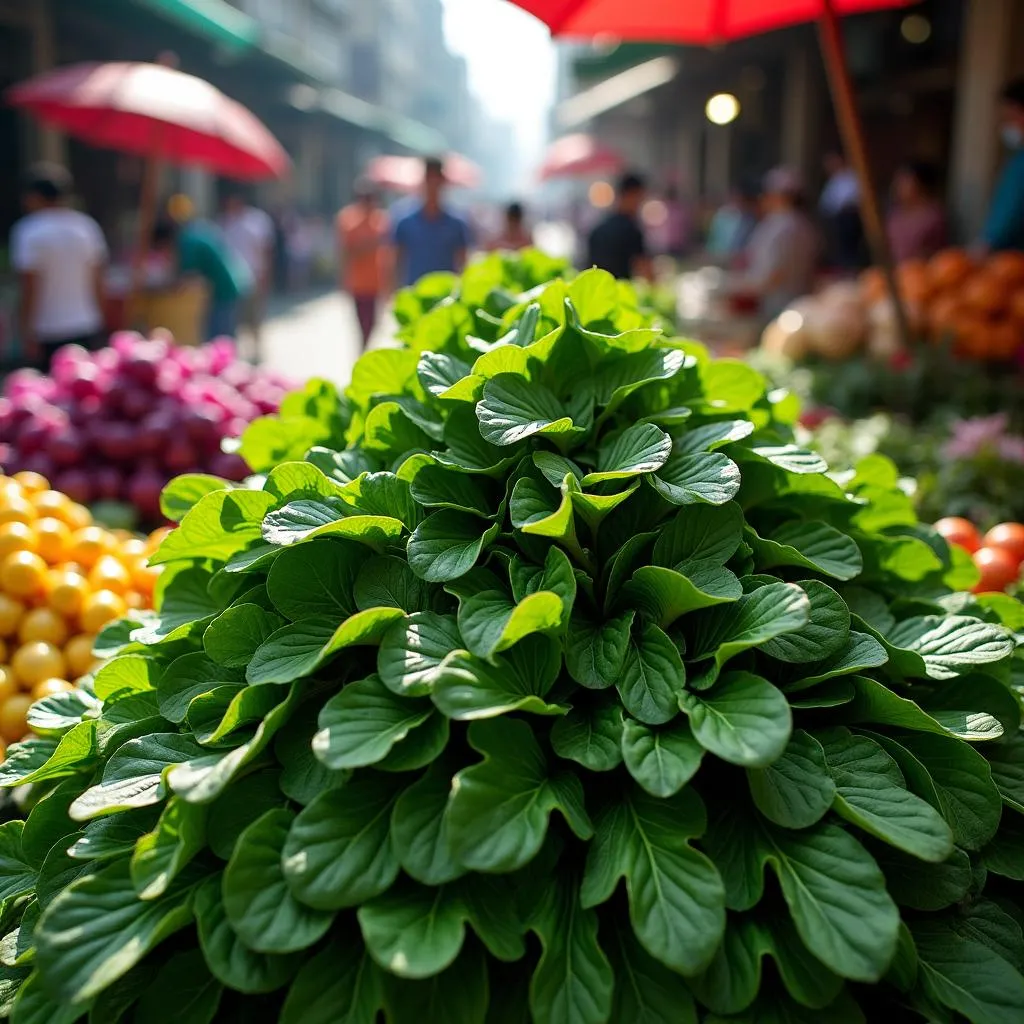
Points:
point(343, 82)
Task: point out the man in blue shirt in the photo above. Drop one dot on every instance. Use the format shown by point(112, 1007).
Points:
point(429, 238)
point(1004, 228)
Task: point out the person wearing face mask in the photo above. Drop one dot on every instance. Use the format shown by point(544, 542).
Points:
point(1004, 228)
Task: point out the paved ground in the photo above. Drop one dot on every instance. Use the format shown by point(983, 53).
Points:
point(316, 336)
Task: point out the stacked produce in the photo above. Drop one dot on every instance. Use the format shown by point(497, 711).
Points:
point(62, 579)
point(998, 554)
point(117, 424)
point(502, 702)
point(978, 306)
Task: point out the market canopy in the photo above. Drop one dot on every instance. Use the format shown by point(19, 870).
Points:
point(156, 112)
point(700, 22)
point(580, 156)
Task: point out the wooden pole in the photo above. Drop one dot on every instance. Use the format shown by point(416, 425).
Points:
point(852, 131)
point(148, 198)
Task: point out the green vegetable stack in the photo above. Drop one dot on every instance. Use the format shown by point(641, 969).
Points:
point(554, 684)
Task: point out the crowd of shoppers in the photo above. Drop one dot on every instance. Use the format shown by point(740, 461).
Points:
point(769, 236)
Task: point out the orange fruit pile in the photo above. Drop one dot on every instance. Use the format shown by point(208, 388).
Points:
point(977, 304)
point(62, 579)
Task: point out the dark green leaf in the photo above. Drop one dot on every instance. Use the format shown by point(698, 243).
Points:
point(498, 810)
point(796, 790)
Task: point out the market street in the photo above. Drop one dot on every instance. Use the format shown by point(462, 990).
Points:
point(315, 336)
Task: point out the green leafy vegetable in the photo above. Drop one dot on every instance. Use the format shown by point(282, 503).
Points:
point(546, 624)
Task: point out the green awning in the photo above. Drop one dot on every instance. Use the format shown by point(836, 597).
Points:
point(625, 55)
point(215, 20)
point(403, 130)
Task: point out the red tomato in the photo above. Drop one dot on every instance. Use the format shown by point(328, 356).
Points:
point(961, 532)
point(998, 569)
point(1009, 537)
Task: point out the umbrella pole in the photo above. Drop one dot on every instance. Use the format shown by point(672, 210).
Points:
point(852, 131)
point(148, 198)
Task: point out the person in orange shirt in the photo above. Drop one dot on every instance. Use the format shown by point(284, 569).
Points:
point(362, 241)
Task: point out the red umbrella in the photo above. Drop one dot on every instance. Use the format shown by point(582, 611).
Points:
point(159, 113)
point(716, 21)
point(579, 156)
point(156, 112)
point(685, 21)
point(405, 173)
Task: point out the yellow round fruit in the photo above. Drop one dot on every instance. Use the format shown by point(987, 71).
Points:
point(66, 591)
point(156, 538)
point(76, 516)
point(33, 662)
point(43, 624)
point(101, 607)
point(78, 654)
point(144, 576)
point(14, 717)
point(53, 538)
point(16, 536)
point(109, 574)
point(134, 600)
point(48, 687)
point(132, 548)
point(8, 684)
point(89, 545)
point(49, 502)
point(11, 612)
point(31, 482)
point(22, 574)
point(16, 509)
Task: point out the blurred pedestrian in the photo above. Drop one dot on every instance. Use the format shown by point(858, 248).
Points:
point(515, 235)
point(60, 257)
point(732, 224)
point(429, 238)
point(300, 243)
point(670, 227)
point(362, 230)
point(1004, 228)
point(783, 250)
point(249, 233)
point(617, 243)
point(198, 248)
point(839, 207)
point(916, 223)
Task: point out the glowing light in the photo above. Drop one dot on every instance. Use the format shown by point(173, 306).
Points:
point(791, 321)
point(601, 194)
point(916, 29)
point(722, 108)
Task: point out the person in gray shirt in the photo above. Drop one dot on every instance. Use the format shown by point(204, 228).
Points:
point(783, 251)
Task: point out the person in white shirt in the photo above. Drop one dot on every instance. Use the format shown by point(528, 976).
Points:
point(249, 232)
point(60, 257)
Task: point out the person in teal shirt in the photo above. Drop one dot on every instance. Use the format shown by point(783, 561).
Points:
point(1004, 228)
point(200, 249)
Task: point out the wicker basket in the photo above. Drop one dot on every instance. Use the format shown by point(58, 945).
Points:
point(181, 310)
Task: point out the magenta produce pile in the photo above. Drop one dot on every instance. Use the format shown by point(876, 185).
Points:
point(117, 424)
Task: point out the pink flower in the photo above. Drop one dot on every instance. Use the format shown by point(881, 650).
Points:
point(1011, 449)
point(971, 436)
